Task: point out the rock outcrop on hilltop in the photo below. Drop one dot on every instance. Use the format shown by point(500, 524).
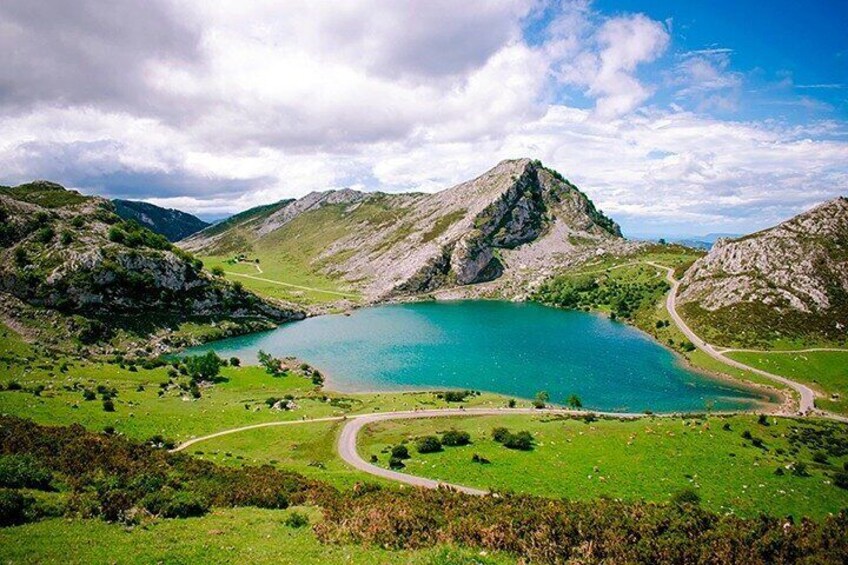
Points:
point(510, 226)
point(71, 259)
point(787, 281)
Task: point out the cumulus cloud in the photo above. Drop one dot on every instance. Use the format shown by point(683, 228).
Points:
point(214, 107)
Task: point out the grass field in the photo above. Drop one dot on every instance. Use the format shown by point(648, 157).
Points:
point(249, 535)
point(316, 288)
point(645, 459)
point(824, 370)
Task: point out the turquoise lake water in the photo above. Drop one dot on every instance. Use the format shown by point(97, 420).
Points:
point(515, 349)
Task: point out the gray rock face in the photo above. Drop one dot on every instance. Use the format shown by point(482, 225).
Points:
point(506, 225)
point(800, 265)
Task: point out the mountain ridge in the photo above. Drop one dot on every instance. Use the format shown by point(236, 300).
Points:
point(170, 222)
point(519, 215)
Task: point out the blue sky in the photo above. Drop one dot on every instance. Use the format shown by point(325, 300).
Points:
point(677, 118)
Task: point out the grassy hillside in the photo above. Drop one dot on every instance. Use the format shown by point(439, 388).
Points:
point(584, 461)
point(826, 371)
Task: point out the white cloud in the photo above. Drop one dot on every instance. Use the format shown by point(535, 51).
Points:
point(244, 104)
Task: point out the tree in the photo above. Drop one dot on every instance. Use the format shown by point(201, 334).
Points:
point(400, 452)
point(273, 366)
point(541, 399)
point(455, 438)
point(574, 401)
point(428, 444)
point(203, 367)
point(235, 361)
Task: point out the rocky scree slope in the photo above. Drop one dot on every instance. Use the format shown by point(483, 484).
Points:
point(69, 266)
point(173, 224)
point(789, 281)
point(508, 227)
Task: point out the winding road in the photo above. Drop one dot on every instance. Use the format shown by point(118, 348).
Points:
point(347, 441)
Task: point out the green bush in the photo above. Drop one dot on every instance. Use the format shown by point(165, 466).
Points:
point(686, 496)
point(108, 405)
point(521, 441)
point(500, 434)
point(428, 444)
point(400, 452)
point(168, 503)
point(455, 438)
point(296, 519)
point(13, 507)
point(840, 479)
point(396, 463)
point(23, 471)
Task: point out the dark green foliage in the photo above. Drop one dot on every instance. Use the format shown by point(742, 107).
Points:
point(522, 441)
point(400, 452)
point(13, 507)
point(108, 475)
point(108, 405)
point(840, 479)
point(820, 457)
point(455, 438)
point(623, 298)
point(500, 434)
point(205, 367)
point(511, 403)
point(19, 471)
point(574, 401)
point(296, 520)
point(21, 257)
point(168, 503)
point(396, 463)
point(172, 224)
point(686, 496)
point(479, 459)
point(457, 395)
point(561, 531)
point(799, 469)
point(272, 365)
point(541, 399)
point(428, 444)
point(45, 234)
point(235, 361)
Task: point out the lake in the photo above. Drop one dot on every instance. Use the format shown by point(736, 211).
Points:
point(515, 349)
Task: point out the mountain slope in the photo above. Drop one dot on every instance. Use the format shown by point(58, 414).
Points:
point(509, 225)
point(789, 281)
point(71, 268)
point(173, 224)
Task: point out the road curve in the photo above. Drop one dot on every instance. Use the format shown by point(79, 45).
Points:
point(807, 395)
point(347, 440)
point(189, 443)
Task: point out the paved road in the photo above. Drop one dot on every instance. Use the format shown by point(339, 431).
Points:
point(807, 395)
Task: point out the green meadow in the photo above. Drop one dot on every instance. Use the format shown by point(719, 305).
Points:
point(650, 459)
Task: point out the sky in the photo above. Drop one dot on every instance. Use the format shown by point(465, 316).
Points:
point(676, 118)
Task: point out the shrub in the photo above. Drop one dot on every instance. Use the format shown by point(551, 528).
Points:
point(45, 234)
point(457, 395)
point(23, 471)
point(500, 434)
point(574, 401)
point(686, 496)
point(235, 361)
point(108, 405)
point(203, 367)
point(511, 403)
point(455, 438)
point(13, 506)
point(746, 435)
point(175, 504)
point(799, 469)
point(762, 420)
point(296, 520)
point(820, 457)
point(479, 459)
point(67, 238)
point(521, 441)
point(116, 234)
point(218, 271)
point(840, 479)
point(400, 452)
point(428, 444)
point(396, 463)
point(541, 399)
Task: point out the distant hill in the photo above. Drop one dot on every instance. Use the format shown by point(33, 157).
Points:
point(512, 225)
point(789, 281)
point(704, 241)
point(74, 274)
point(173, 224)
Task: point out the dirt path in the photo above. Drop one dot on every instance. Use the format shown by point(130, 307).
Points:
point(189, 443)
point(272, 281)
point(807, 394)
point(810, 350)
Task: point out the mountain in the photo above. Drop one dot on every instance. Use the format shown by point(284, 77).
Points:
point(511, 225)
point(703, 241)
point(789, 281)
point(173, 224)
point(71, 268)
